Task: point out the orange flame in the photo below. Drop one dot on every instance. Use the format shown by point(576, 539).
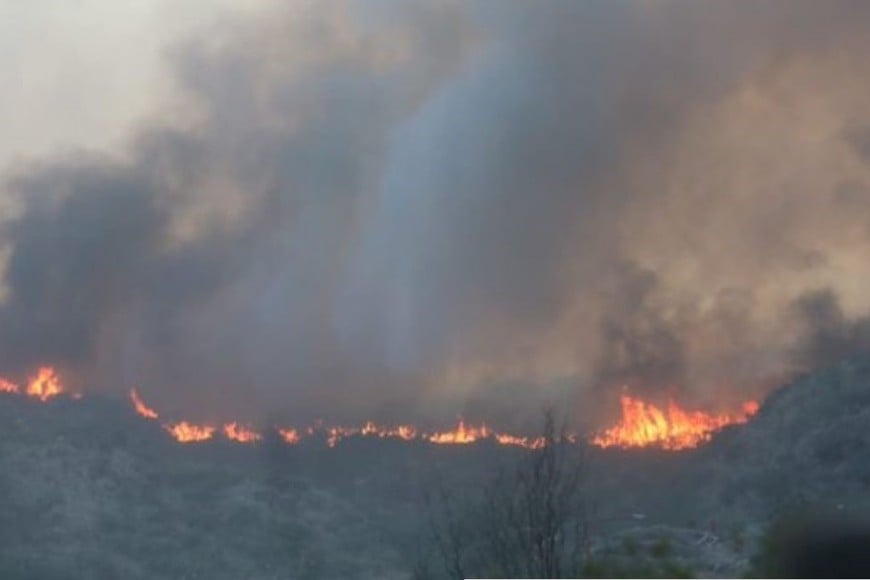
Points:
point(290, 436)
point(140, 405)
point(237, 432)
point(7, 387)
point(527, 442)
point(45, 385)
point(185, 432)
point(336, 434)
point(406, 432)
point(644, 424)
point(369, 429)
point(462, 435)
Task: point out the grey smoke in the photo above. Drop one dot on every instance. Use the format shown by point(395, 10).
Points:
point(829, 337)
point(390, 209)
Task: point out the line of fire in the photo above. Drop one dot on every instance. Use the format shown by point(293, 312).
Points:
point(641, 424)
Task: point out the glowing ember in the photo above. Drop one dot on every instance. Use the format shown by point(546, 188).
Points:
point(369, 429)
point(185, 432)
point(750, 408)
point(7, 387)
point(237, 432)
point(644, 424)
point(462, 435)
point(336, 434)
point(527, 442)
point(45, 385)
point(406, 432)
point(140, 405)
point(290, 436)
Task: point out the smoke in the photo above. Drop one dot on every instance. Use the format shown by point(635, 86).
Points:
point(829, 336)
point(387, 209)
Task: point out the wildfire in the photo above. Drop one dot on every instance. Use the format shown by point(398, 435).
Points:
point(185, 432)
point(462, 435)
point(140, 405)
point(644, 424)
point(45, 385)
point(237, 432)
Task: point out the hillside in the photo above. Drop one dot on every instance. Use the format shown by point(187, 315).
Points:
point(89, 490)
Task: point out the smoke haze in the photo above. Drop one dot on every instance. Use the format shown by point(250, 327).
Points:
point(375, 209)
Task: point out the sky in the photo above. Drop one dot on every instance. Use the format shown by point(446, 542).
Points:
point(380, 209)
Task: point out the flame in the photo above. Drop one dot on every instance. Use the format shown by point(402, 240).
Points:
point(369, 429)
point(462, 435)
point(372, 429)
point(405, 432)
point(185, 432)
point(140, 405)
point(45, 385)
point(237, 432)
point(336, 434)
point(750, 408)
point(644, 424)
point(527, 442)
point(7, 387)
point(290, 436)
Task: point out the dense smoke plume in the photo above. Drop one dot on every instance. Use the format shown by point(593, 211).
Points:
point(391, 209)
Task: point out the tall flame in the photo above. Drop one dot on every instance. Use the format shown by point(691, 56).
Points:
point(140, 405)
point(45, 385)
point(185, 432)
point(462, 435)
point(237, 432)
point(644, 424)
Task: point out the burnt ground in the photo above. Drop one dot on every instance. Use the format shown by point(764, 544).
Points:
point(89, 490)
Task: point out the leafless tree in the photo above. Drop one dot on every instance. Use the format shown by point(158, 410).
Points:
point(527, 521)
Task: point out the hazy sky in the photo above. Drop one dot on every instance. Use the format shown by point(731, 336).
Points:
point(380, 208)
point(82, 74)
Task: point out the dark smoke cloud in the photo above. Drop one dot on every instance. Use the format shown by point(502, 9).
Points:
point(640, 347)
point(829, 336)
point(394, 209)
